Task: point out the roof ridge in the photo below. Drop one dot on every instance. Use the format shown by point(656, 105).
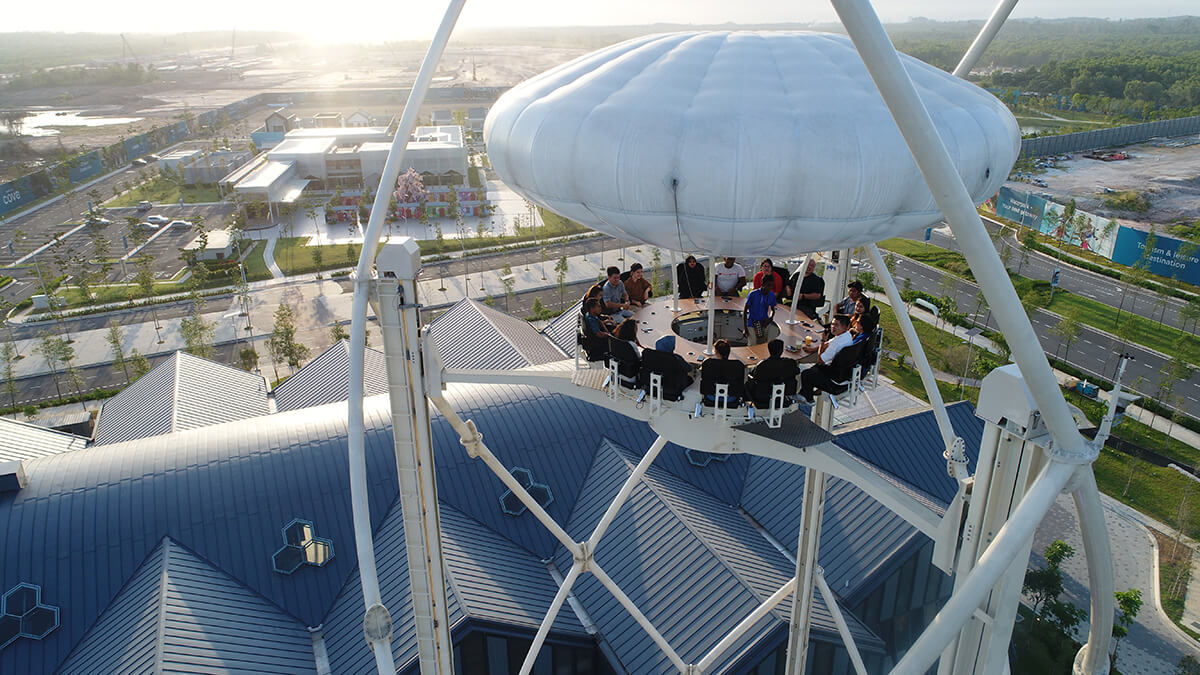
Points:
point(485, 312)
point(48, 430)
point(741, 579)
point(175, 403)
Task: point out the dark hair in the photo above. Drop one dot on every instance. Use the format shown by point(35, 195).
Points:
point(690, 258)
point(627, 330)
point(866, 302)
point(856, 285)
point(635, 267)
point(592, 302)
point(842, 319)
point(768, 261)
point(775, 347)
point(722, 347)
point(611, 271)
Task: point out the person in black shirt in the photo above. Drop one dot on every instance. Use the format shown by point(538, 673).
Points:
point(812, 290)
point(692, 278)
point(775, 369)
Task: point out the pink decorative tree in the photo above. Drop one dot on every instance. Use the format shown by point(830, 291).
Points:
point(410, 189)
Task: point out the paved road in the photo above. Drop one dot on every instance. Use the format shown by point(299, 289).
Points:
point(1094, 352)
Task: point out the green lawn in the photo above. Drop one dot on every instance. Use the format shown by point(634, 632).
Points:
point(162, 191)
point(1147, 332)
point(293, 257)
point(555, 226)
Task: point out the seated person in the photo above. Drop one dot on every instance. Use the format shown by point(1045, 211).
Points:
point(676, 373)
point(775, 369)
point(865, 319)
point(616, 300)
point(760, 311)
point(766, 274)
point(812, 290)
point(596, 293)
point(854, 291)
point(595, 332)
point(720, 369)
point(627, 332)
point(822, 376)
point(637, 287)
point(730, 278)
point(691, 277)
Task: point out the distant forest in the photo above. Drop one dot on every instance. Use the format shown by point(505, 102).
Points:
point(1129, 70)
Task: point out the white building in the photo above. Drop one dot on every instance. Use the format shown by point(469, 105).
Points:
point(220, 246)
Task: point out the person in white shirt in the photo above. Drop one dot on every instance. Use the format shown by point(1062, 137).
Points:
point(731, 277)
point(821, 376)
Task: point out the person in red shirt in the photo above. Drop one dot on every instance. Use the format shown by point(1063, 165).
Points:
point(767, 271)
point(637, 287)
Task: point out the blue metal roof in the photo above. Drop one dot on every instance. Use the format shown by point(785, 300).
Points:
point(181, 393)
point(561, 330)
point(473, 335)
point(326, 379)
point(181, 614)
point(708, 569)
point(224, 492)
point(910, 448)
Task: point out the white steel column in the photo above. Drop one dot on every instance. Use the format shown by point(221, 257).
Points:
point(806, 565)
point(397, 308)
point(840, 622)
point(957, 459)
point(673, 275)
point(994, 22)
point(796, 291)
point(1092, 659)
point(360, 506)
point(712, 306)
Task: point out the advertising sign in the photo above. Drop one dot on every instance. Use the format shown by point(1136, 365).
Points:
point(1165, 260)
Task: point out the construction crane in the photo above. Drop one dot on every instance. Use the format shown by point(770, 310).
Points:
point(126, 48)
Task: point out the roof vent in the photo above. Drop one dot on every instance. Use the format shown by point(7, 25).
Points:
point(301, 547)
point(702, 459)
point(12, 476)
point(539, 491)
point(22, 615)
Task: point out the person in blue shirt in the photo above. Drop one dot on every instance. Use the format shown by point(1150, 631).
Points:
point(760, 311)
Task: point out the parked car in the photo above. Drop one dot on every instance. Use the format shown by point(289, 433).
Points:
point(144, 206)
point(179, 223)
point(138, 162)
point(147, 225)
point(158, 220)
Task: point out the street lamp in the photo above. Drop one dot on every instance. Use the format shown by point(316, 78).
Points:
point(971, 334)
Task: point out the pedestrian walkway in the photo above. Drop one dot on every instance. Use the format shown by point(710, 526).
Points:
point(269, 255)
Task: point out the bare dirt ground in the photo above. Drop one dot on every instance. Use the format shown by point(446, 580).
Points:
point(1168, 177)
point(204, 80)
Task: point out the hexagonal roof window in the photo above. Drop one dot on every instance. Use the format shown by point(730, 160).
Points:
point(539, 492)
point(301, 547)
point(24, 615)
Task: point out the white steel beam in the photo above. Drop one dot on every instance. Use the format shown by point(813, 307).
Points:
point(807, 549)
point(994, 22)
point(631, 482)
point(796, 291)
point(712, 306)
point(959, 463)
point(710, 659)
point(360, 505)
point(551, 614)
point(638, 616)
point(930, 153)
point(1092, 659)
point(840, 621)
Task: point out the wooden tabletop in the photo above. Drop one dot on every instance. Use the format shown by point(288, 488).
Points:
point(654, 322)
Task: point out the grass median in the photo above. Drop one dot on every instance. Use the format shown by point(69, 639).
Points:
point(1146, 332)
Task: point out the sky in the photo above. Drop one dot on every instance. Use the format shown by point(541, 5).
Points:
point(373, 20)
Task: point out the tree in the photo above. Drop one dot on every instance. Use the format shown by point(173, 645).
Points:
point(198, 335)
point(1129, 603)
point(1190, 312)
point(1067, 331)
point(1188, 665)
point(560, 269)
point(540, 313)
point(115, 340)
point(338, 333)
point(318, 258)
point(8, 358)
point(249, 359)
point(144, 278)
point(506, 278)
point(282, 344)
point(1066, 225)
point(1045, 584)
point(351, 256)
point(58, 354)
point(139, 363)
point(1029, 242)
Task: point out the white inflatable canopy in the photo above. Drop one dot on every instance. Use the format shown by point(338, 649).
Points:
point(738, 143)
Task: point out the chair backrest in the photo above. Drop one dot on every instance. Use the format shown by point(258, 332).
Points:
point(732, 373)
point(626, 355)
point(845, 360)
point(674, 372)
